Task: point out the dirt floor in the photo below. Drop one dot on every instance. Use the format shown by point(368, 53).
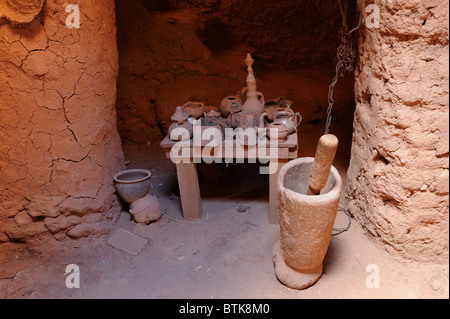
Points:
point(226, 254)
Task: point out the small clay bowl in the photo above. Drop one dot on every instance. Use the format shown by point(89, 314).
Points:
point(194, 109)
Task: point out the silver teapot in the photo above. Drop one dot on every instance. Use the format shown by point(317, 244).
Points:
point(289, 118)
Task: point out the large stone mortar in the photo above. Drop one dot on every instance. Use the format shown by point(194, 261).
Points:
point(306, 224)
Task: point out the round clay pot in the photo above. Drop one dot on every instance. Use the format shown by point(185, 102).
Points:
point(194, 109)
point(227, 104)
point(132, 184)
point(306, 224)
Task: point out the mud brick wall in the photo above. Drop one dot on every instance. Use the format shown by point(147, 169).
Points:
point(399, 171)
point(59, 145)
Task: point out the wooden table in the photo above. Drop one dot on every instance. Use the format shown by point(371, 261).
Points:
point(187, 168)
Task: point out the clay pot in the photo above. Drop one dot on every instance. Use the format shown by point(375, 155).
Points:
point(306, 224)
point(211, 116)
point(277, 132)
point(146, 210)
point(180, 120)
point(194, 109)
point(132, 184)
point(226, 105)
point(254, 103)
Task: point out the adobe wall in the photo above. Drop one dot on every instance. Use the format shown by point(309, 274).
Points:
point(59, 145)
point(399, 170)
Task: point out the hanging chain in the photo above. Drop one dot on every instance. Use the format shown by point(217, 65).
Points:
point(345, 57)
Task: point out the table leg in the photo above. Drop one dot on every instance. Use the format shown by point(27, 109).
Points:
point(191, 202)
point(273, 193)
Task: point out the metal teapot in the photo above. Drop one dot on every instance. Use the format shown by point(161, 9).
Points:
point(289, 118)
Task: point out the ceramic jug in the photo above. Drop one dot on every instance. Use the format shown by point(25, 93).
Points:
point(254, 103)
point(255, 100)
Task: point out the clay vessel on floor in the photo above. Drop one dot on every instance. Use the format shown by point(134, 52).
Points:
point(306, 224)
point(133, 186)
point(180, 120)
point(146, 210)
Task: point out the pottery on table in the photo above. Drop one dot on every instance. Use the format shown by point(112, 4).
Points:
point(211, 132)
point(264, 120)
point(212, 116)
point(255, 100)
point(194, 109)
point(248, 120)
point(226, 105)
point(180, 120)
point(248, 128)
point(277, 132)
point(289, 118)
point(233, 117)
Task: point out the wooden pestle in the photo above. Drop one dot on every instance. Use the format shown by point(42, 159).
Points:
point(320, 170)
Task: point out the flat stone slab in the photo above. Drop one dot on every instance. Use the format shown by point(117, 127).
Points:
point(127, 242)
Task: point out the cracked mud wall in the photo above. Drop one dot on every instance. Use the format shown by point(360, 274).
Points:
point(399, 171)
point(59, 145)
